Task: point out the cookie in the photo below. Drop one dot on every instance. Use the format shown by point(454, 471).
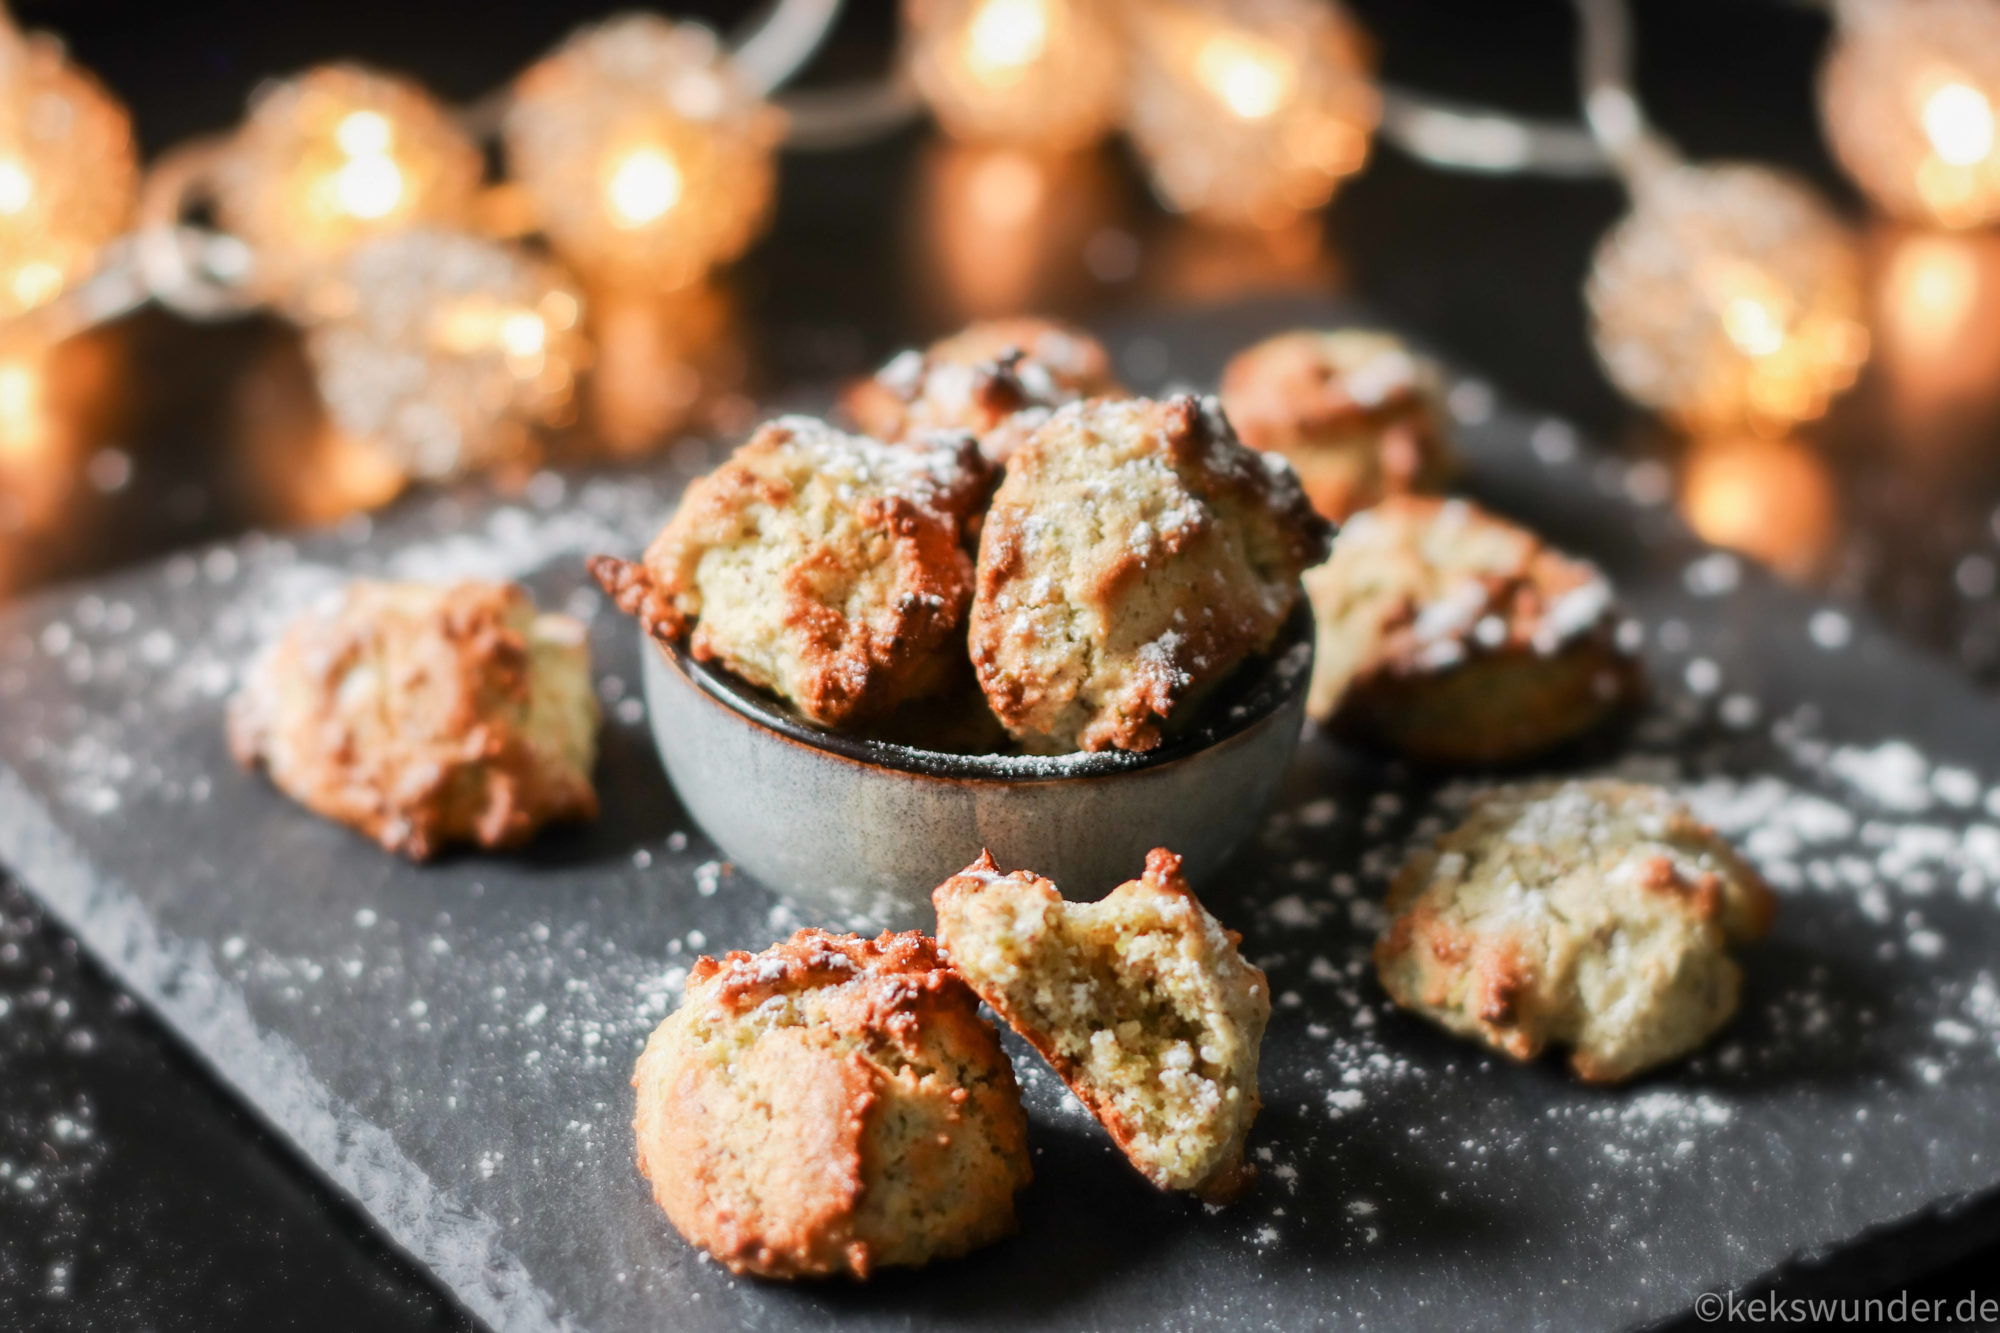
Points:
point(1359, 415)
point(1593, 915)
point(1456, 638)
point(827, 568)
point(832, 1105)
point(997, 379)
point(424, 715)
point(1140, 1002)
point(1135, 554)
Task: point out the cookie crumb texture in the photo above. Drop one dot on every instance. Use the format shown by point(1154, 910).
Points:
point(1135, 555)
point(425, 715)
point(1595, 915)
point(832, 1105)
point(825, 567)
point(1456, 638)
point(1358, 414)
point(996, 379)
point(1140, 1002)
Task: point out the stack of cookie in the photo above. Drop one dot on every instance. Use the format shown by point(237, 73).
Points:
point(1132, 555)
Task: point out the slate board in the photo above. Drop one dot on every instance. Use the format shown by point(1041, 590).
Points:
point(451, 1044)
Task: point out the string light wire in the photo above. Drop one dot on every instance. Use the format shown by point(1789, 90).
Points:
point(783, 42)
point(1456, 136)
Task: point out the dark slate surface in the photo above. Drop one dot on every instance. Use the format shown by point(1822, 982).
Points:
point(451, 1045)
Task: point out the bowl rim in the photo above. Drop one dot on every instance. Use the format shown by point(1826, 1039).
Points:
point(1285, 674)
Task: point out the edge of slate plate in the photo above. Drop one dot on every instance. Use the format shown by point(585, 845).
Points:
point(180, 981)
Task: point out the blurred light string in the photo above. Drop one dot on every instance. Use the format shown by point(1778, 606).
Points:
point(202, 273)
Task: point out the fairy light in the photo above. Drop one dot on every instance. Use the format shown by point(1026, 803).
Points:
point(16, 189)
point(1042, 74)
point(369, 184)
point(1728, 297)
point(1005, 37)
point(646, 154)
point(1958, 120)
point(438, 349)
point(643, 187)
point(1252, 79)
point(338, 156)
point(1907, 95)
point(642, 151)
point(1249, 111)
point(68, 172)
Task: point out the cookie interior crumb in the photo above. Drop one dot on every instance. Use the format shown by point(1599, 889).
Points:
point(1141, 1002)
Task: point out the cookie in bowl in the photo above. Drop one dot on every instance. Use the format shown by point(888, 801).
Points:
point(1357, 412)
point(1135, 554)
point(825, 567)
point(830, 1106)
point(997, 379)
point(424, 715)
point(1140, 1002)
point(1456, 638)
point(1593, 915)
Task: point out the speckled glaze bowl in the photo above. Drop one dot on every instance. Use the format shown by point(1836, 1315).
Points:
point(850, 827)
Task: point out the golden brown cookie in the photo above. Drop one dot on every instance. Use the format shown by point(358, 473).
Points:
point(1594, 915)
point(424, 715)
point(1457, 638)
point(1135, 555)
point(825, 567)
point(997, 379)
point(1359, 414)
point(830, 1105)
point(1140, 1002)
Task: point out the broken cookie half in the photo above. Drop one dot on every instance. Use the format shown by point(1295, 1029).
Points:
point(1140, 1002)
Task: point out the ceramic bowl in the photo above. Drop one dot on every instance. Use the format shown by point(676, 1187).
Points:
point(854, 829)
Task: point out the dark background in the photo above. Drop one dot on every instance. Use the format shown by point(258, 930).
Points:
point(167, 1207)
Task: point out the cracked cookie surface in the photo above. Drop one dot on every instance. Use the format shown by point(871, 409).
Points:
point(1135, 555)
point(997, 380)
point(832, 1105)
point(825, 567)
point(1450, 635)
point(423, 715)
